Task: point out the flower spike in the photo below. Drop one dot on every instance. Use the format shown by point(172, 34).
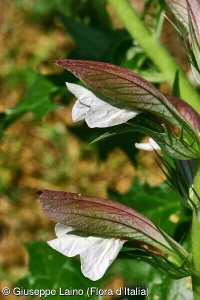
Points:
point(97, 229)
point(116, 96)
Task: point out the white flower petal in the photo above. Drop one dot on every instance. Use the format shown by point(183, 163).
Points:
point(99, 256)
point(103, 115)
point(61, 229)
point(150, 146)
point(79, 111)
point(95, 111)
point(96, 253)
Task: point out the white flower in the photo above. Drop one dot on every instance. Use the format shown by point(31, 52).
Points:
point(95, 111)
point(151, 145)
point(96, 253)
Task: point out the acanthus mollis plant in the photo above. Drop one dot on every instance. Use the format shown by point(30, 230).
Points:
point(97, 228)
point(187, 13)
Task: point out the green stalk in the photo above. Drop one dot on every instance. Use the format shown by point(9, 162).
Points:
point(156, 52)
point(196, 237)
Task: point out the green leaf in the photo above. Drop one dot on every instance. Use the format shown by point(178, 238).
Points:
point(37, 100)
point(90, 43)
point(161, 287)
point(38, 10)
point(176, 87)
point(101, 17)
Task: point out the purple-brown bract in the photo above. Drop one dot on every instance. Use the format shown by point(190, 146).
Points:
point(117, 83)
point(102, 217)
point(124, 87)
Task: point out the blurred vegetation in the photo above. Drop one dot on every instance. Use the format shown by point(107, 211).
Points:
point(41, 148)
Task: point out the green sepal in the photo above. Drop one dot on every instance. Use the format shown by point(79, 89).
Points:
point(158, 262)
point(176, 266)
point(182, 146)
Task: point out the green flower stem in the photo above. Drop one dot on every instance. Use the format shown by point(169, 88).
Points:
point(196, 237)
point(158, 54)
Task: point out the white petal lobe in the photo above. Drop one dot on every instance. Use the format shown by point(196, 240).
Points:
point(96, 253)
point(150, 146)
point(95, 111)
